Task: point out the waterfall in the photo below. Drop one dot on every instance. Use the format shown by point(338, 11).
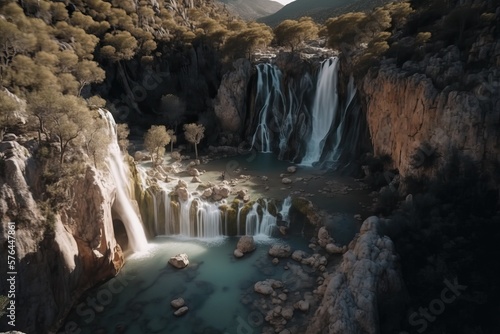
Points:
point(285, 209)
point(259, 225)
point(123, 204)
point(324, 110)
point(209, 220)
point(270, 99)
point(341, 139)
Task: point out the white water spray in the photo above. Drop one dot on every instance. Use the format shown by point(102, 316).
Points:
point(123, 203)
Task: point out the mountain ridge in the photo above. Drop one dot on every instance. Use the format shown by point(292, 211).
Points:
point(252, 10)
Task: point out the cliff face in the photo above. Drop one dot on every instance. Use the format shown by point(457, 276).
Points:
point(57, 257)
point(422, 112)
point(365, 288)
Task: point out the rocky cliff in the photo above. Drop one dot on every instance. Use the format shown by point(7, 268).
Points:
point(366, 286)
point(57, 255)
point(439, 99)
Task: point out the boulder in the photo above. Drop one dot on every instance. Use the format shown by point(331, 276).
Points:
point(299, 255)
point(291, 169)
point(180, 312)
point(139, 156)
point(280, 250)
point(334, 249)
point(237, 253)
point(267, 287)
point(177, 303)
point(302, 305)
point(183, 194)
point(246, 244)
point(181, 184)
point(324, 237)
point(179, 261)
point(194, 172)
point(207, 193)
point(286, 180)
point(196, 179)
point(263, 287)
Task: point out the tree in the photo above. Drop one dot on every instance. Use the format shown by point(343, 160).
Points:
point(97, 140)
point(88, 71)
point(173, 139)
point(245, 42)
point(293, 33)
point(7, 108)
point(41, 105)
point(67, 122)
point(155, 140)
point(194, 133)
point(122, 132)
point(120, 45)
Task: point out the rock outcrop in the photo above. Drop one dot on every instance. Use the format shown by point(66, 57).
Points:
point(229, 105)
point(58, 255)
point(423, 111)
point(351, 294)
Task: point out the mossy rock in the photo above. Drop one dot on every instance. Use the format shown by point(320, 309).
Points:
point(306, 208)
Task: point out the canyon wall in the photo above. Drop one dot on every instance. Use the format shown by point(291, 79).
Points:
point(422, 112)
point(58, 256)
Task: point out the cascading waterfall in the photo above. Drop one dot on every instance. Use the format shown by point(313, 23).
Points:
point(271, 99)
point(324, 110)
point(123, 205)
point(285, 209)
point(342, 139)
point(209, 220)
point(259, 225)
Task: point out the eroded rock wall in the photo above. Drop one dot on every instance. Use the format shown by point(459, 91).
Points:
point(423, 111)
point(366, 285)
point(59, 256)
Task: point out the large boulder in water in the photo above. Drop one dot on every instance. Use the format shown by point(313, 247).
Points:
point(179, 261)
point(245, 245)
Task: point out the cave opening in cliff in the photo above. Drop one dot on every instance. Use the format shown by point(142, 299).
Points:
point(120, 234)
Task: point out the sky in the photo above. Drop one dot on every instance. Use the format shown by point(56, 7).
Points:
point(284, 2)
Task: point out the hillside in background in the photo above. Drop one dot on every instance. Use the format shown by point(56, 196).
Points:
point(319, 10)
point(251, 10)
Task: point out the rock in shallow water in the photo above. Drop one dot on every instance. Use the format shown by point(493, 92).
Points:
point(179, 261)
point(180, 312)
point(177, 303)
point(280, 251)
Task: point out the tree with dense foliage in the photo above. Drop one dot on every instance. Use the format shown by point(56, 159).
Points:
point(97, 140)
point(122, 132)
point(7, 108)
point(155, 140)
point(293, 33)
point(246, 41)
point(194, 133)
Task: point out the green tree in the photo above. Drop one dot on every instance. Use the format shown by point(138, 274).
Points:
point(194, 133)
point(292, 33)
point(155, 140)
